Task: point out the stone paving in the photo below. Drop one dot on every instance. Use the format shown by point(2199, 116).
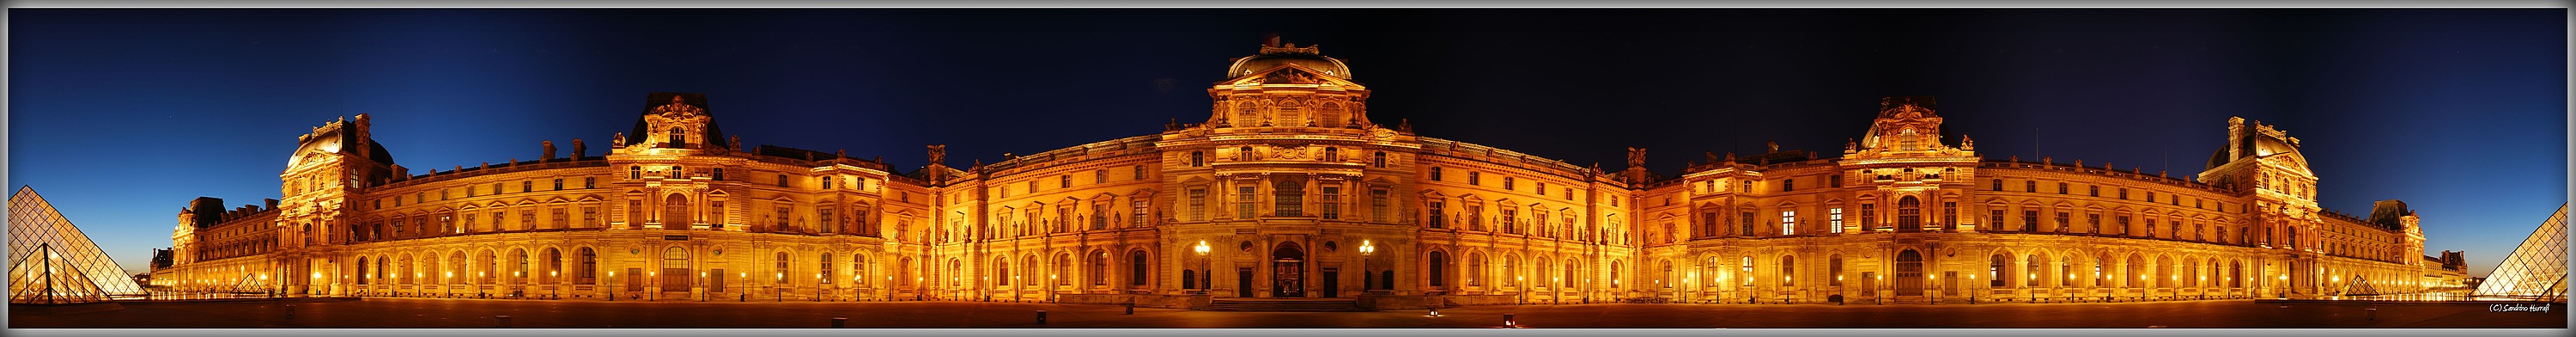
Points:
point(466, 313)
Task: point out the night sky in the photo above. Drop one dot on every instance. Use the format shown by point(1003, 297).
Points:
point(119, 117)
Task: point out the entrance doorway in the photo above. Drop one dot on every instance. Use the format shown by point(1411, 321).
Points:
point(1332, 282)
point(1243, 282)
point(716, 282)
point(1287, 271)
point(675, 270)
point(1909, 273)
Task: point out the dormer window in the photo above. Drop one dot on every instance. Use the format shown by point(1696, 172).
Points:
point(679, 138)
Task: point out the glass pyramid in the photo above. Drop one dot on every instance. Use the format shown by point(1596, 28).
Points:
point(50, 260)
point(2537, 269)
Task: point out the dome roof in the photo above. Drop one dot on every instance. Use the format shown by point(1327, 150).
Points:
point(1274, 56)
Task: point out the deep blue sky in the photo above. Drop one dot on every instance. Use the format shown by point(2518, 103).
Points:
point(119, 117)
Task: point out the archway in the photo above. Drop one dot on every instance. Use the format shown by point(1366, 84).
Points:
point(1909, 273)
point(1287, 271)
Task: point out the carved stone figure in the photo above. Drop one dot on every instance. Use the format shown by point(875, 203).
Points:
point(620, 138)
point(733, 142)
point(1636, 157)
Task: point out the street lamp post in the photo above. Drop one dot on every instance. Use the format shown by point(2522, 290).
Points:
point(1368, 274)
point(1207, 277)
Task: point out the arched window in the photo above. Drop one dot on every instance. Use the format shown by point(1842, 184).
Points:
point(519, 266)
point(489, 267)
point(456, 272)
point(2035, 271)
point(1100, 268)
point(554, 265)
point(1909, 214)
point(362, 271)
point(1835, 265)
point(1137, 270)
point(1063, 264)
point(1996, 270)
point(1437, 264)
point(2136, 279)
point(1002, 271)
point(1788, 271)
point(675, 212)
point(675, 269)
point(589, 272)
point(1475, 269)
point(780, 270)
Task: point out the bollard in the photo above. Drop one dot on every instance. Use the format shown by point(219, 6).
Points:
point(1509, 323)
point(1041, 316)
point(839, 321)
point(290, 310)
point(2372, 313)
point(501, 321)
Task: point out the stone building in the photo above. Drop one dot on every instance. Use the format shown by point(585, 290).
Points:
point(1288, 189)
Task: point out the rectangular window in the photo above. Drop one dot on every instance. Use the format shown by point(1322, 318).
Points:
point(1949, 214)
point(2093, 223)
point(557, 218)
point(1835, 215)
point(1789, 184)
point(1378, 208)
point(1243, 199)
point(1435, 174)
point(1099, 176)
point(1998, 185)
point(1139, 171)
point(1511, 220)
point(2124, 195)
point(1139, 219)
point(719, 174)
point(2124, 225)
point(2093, 191)
point(1330, 206)
point(1507, 183)
point(590, 216)
point(1472, 178)
point(2030, 186)
point(586, 183)
point(2029, 220)
point(1788, 222)
point(1837, 182)
point(1475, 217)
point(2061, 222)
point(1996, 219)
point(1435, 216)
point(1198, 204)
point(2061, 188)
point(782, 180)
point(1868, 216)
point(527, 186)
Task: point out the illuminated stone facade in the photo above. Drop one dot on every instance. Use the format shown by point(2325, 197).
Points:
point(1287, 189)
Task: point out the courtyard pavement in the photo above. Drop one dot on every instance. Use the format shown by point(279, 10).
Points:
point(469, 313)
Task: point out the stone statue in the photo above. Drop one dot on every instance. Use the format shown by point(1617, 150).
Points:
point(1966, 143)
point(620, 138)
point(1774, 146)
point(577, 149)
point(1712, 156)
point(550, 150)
point(1636, 157)
point(733, 142)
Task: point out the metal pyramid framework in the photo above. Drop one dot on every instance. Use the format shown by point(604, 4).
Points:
point(2360, 286)
point(50, 261)
point(2537, 269)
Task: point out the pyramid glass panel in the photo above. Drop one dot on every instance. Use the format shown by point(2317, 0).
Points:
point(43, 246)
point(2537, 269)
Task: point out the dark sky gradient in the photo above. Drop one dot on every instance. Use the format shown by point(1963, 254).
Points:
point(120, 116)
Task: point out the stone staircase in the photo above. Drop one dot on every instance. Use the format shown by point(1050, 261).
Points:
point(1295, 305)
